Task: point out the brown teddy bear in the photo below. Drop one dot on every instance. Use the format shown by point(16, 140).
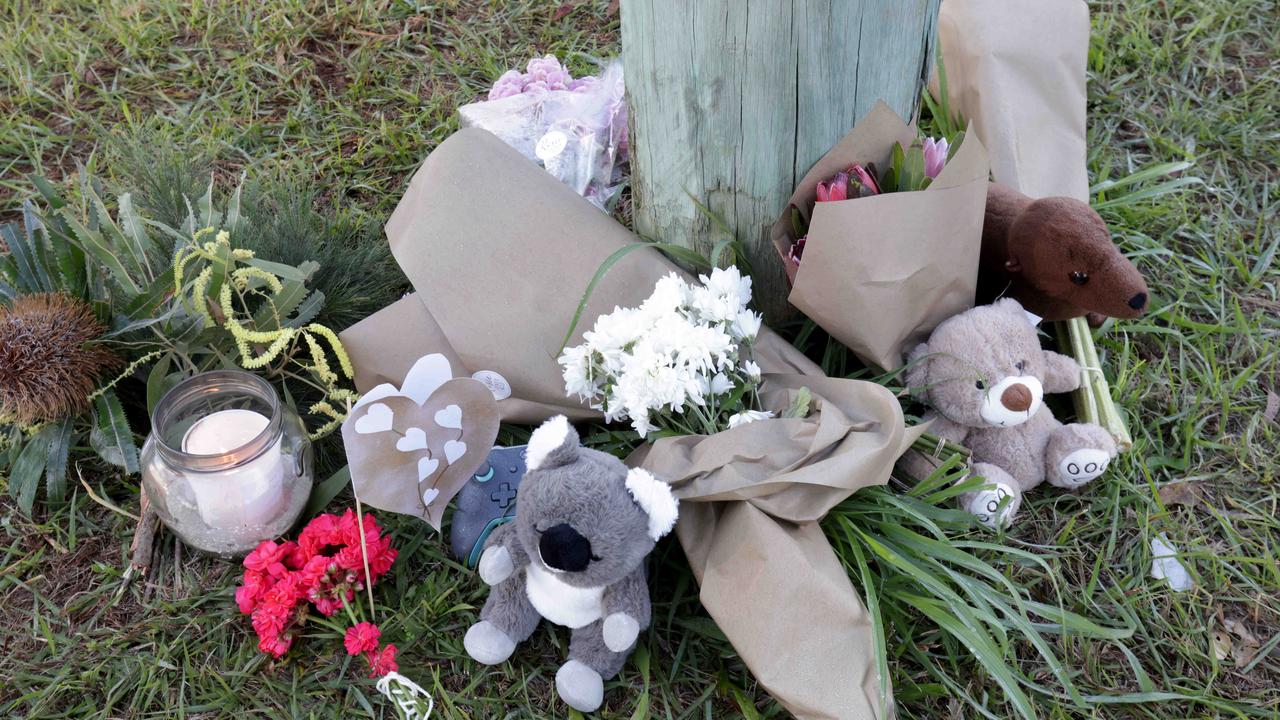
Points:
point(1056, 257)
point(984, 375)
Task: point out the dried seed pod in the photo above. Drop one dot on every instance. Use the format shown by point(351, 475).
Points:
point(50, 357)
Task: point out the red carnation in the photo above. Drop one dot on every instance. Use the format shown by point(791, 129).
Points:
point(362, 638)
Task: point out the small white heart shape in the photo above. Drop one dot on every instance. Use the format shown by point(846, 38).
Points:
point(454, 449)
point(450, 417)
point(414, 439)
point(377, 419)
point(427, 467)
point(429, 495)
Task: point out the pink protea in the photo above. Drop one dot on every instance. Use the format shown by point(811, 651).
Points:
point(866, 182)
point(935, 156)
point(837, 188)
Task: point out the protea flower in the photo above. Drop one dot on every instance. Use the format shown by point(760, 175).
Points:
point(837, 188)
point(49, 360)
point(935, 156)
point(866, 181)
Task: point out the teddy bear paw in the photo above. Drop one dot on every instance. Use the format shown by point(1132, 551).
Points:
point(487, 644)
point(620, 632)
point(495, 565)
point(1081, 466)
point(994, 506)
point(579, 686)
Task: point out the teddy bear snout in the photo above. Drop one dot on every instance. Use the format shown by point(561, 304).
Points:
point(1016, 398)
point(1012, 401)
point(564, 548)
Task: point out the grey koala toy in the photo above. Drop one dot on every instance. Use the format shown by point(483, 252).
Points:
point(575, 556)
point(984, 374)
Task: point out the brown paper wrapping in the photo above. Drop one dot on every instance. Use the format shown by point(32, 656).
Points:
point(879, 273)
point(1016, 70)
point(500, 254)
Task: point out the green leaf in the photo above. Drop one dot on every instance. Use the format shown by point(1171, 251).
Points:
point(56, 464)
point(799, 228)
point(800, 405)
point(308, 310)
point(324, 492)
point(111, 437)
point(47, 191)
point(24, 476)
point(302, 273)
point(160, 381)
point(92, 242)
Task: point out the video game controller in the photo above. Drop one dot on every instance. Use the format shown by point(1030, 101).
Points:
point(486, 501)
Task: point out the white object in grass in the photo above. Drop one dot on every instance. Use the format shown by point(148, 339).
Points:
point(1166, 566)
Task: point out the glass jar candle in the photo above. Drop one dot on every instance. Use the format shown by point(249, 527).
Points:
point(227, 465)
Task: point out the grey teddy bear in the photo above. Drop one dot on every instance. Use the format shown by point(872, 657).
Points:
point(575, 556)
point(984, 374)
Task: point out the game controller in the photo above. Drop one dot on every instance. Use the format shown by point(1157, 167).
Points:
point(486, 501)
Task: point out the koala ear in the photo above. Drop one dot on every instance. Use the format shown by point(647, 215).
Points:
point(553, 444)
point(917, 371)
point(655, 498)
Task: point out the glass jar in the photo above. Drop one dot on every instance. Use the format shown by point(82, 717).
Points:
point(227, 465)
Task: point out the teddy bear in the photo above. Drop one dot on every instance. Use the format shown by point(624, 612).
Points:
point(984, 376)
point(1055, 256)
point(574, 555)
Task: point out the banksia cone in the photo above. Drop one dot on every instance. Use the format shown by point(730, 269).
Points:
point(49, 362)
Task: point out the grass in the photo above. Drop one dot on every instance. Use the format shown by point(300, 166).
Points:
point(349, 96)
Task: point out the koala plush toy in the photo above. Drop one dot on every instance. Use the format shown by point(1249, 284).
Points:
point(574, 555)
point(984, 375)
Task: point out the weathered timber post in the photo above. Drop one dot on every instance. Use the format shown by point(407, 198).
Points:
point(732, 101)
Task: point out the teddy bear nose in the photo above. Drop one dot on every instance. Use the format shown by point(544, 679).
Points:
point(564, 548)
point(1016, 397)
point(1139, 301)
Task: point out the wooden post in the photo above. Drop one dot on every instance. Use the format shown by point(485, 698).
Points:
point(732, 101)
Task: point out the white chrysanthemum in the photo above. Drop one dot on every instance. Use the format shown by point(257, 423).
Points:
point(747, 325)
point(752, 369)
point(748, 416)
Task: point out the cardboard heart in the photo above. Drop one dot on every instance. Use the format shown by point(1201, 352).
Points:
point(414, 465)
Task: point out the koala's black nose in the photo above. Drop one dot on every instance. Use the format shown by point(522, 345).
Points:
point(564, 548)
point(1139, 301)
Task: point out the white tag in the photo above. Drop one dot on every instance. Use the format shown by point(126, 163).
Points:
point(497, 384)
point(1033, 318)
point(551, 145)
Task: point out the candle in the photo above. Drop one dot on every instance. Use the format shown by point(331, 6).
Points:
point(251, 492)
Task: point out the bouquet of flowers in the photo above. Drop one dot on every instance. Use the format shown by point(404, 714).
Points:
point(908, 248)
point(333, 559)
point(680, 364)
point(575, 128)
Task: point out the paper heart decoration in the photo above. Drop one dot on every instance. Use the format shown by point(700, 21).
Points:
point(411, 449)
point(414, 439)
point(450, 417)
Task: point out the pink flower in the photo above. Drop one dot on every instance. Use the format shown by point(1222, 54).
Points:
point(383, 662)
point(797, 250)
point(865, 180)
point(935, 156)
point(268, 558)
point(511, 83)
point(549, 72)
point(837, 188)
point(362, 638)
point(251, 592)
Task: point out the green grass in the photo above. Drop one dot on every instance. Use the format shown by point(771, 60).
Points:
point(349, 96)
